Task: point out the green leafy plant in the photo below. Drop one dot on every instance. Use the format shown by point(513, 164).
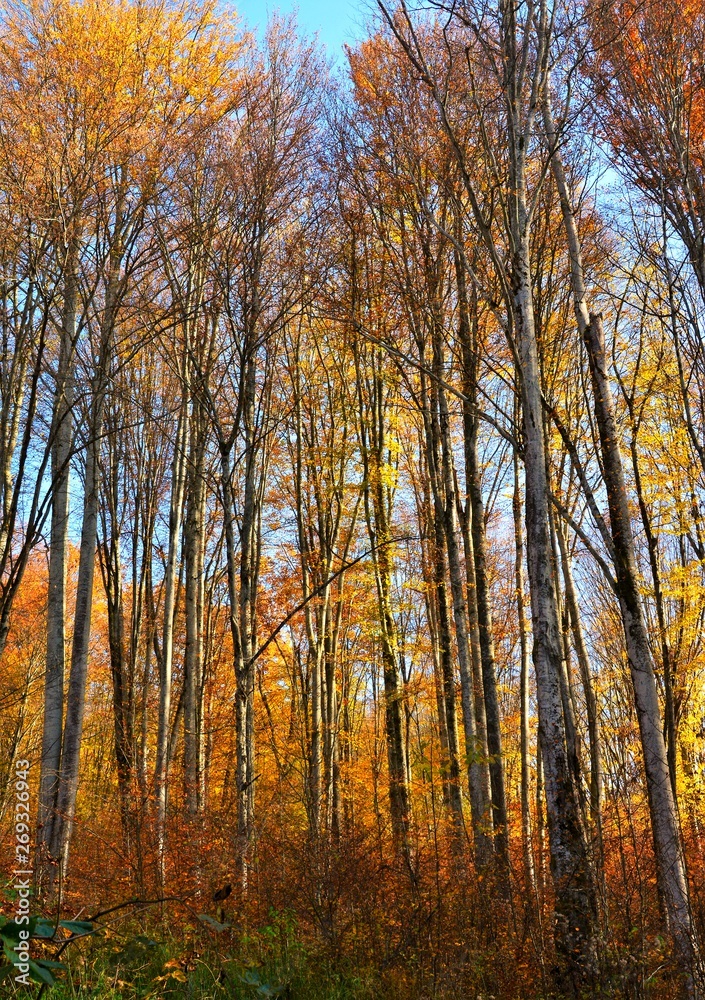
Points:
point(40, 970)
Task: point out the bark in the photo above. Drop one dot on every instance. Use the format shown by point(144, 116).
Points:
point(667, 661)
point(75, 704)
point(670, 864)
point(187, 292)
point(314, 621)
point(316, 752)
point(576, 902)
point(576, 909)
point(122, 647)
point(567, 694)
point(62, 429)
point(393, 688)
point(588, 690)
point(427, 533)
point(331, 746)
point(122, 681)
point(436, 510)
point(246, 600)
point(487, 655)
point(170, 584)
point(448, 679)
point(480, 757)
point(540, 829)
point(526, 837)
point(374, 446)
point(458, 584)
point(194, 543)
point(235, 631)
point(242, 573)
point(473, 518)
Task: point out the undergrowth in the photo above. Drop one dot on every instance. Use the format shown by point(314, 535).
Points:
point(198, 962)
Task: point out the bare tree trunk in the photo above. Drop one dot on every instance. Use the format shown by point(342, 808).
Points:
point(315, 639)
point(171, 573)
point(62, 429)
point(526, 839)
point(670, 865)
point(448, 677)
point(540, 829)
point(567, 693)
point(480, 756)
point(667, 659)
point(432, 427)
point(239, 662)
point(467, 335)
point(575, 892)
point(373, 440)
point(73, 728)
point(332, 720)
point(123, 684)
point(194, 529)
point(489, 673)
point(589, 691)
point(75, 707)
point(316, 751)
point(474, 767)
point(246, 597)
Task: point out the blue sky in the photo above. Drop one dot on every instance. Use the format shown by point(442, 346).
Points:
point(336, 21)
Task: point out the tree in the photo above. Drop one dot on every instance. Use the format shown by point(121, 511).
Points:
point(522, 38)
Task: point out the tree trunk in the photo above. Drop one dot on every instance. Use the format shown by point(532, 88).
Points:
point(62, 429)
point(487, 656)
point(171, 574)
point(246, 602)
point(458, 583)
point(123, 689)
point(567, 694)
point(75, 706)
point(576, 903)
point(589, 692)
point(194, 542)
point(667, 660)
point(373, 440)
point(670, 865)
point(432, 429)
point(526, 840)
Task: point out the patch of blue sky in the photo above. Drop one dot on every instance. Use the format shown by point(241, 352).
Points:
point(335, 23)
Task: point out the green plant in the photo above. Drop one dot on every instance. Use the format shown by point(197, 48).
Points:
point(15, 946)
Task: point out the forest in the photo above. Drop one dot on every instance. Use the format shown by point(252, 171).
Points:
point(352, 502)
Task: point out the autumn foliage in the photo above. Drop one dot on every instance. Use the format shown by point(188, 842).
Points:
point(352, 458)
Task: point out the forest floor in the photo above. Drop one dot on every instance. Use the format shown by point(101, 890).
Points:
point(198, 962)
